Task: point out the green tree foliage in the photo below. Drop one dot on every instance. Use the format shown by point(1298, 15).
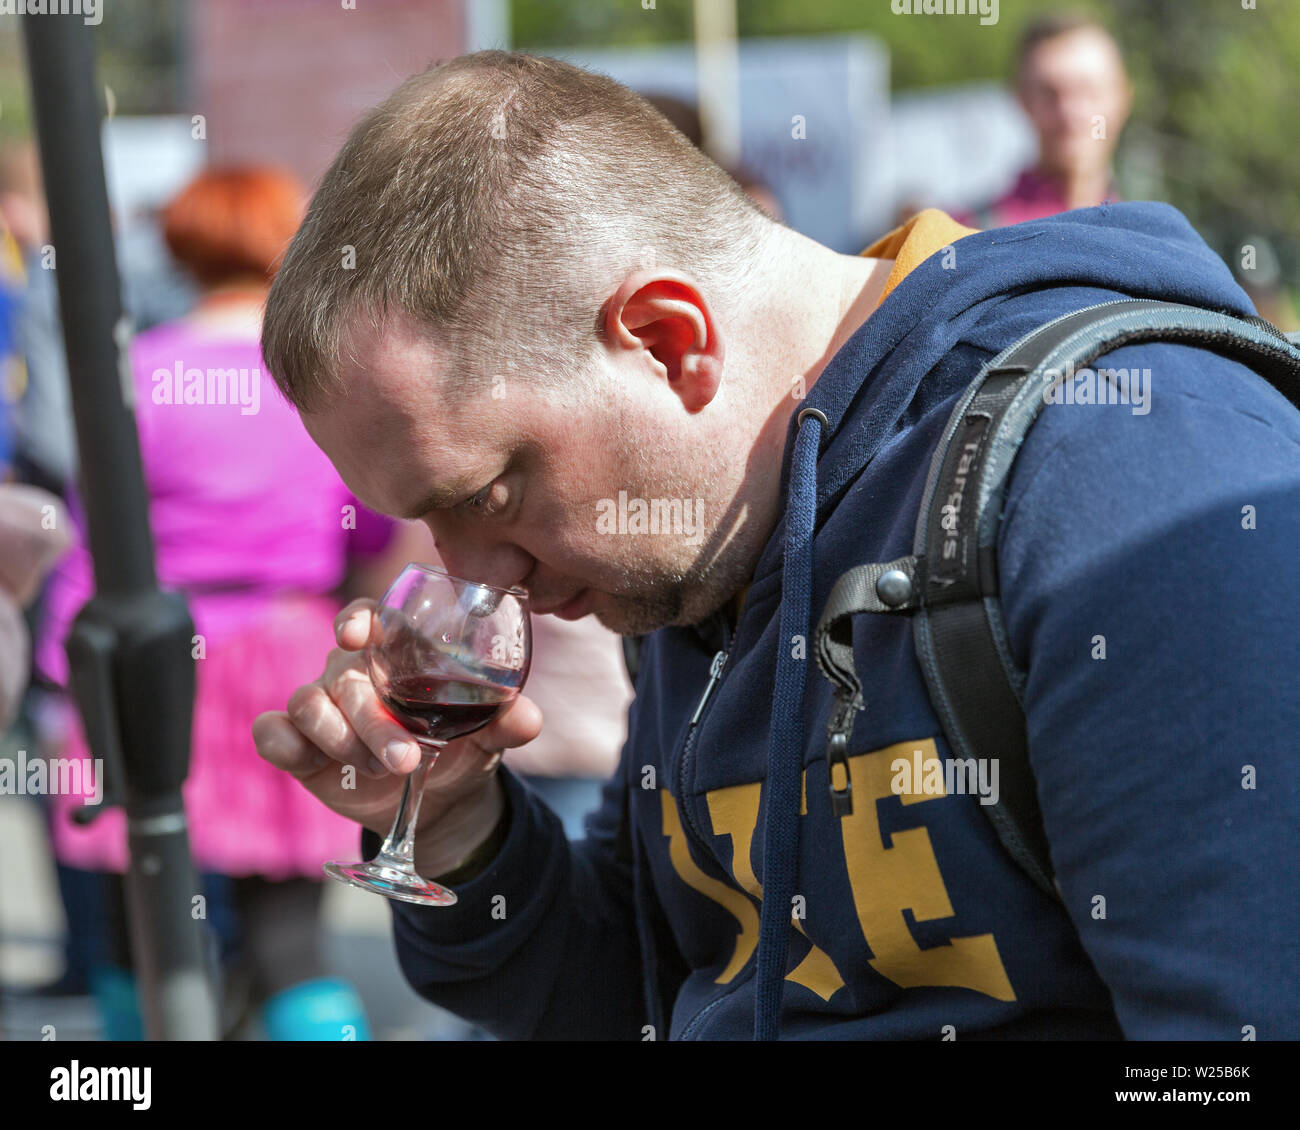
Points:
point(924, 51)
point(1216, 103)
point(14, 121)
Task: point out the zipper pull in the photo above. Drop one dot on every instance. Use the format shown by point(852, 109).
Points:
point(837, 753)
point(715, 672)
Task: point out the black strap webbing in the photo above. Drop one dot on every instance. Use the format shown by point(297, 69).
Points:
point(949, 584)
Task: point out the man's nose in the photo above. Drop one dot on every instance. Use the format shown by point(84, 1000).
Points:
point(499, 563)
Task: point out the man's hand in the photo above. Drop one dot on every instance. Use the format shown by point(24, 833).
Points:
point(338, 721)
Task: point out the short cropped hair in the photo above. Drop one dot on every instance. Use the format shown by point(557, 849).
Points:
point(493, 200)
point(231, 223)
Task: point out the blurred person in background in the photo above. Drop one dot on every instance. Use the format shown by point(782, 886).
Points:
point(154, 290)
point(34, 532)
point(1071, 82)
point(43, 454)
point(12, 370)
point(252, 523)
point(45, 439)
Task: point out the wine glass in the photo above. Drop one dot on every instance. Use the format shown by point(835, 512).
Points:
point(445, 655)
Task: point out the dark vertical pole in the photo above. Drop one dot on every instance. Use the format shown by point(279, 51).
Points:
point(129, 650)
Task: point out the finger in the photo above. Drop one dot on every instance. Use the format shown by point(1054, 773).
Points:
point(391, 742)
point(280, 744)
point(321, 721)
point(352, 625)
point(347, 681)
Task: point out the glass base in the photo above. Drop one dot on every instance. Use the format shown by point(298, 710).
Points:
point(391, 882)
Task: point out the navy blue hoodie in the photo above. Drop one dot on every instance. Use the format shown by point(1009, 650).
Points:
point(1149, 583)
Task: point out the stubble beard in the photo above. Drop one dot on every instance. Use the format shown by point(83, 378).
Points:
point(674, 601)
point(698, 580)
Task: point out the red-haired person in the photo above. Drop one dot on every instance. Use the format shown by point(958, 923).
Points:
point(254, 525)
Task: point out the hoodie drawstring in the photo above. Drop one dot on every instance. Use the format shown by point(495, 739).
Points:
point(785, 742)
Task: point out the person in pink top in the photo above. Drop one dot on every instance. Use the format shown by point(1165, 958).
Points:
point(253, 524)
point(1073, 87)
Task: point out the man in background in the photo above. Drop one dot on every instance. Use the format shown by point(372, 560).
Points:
point(1071, 82)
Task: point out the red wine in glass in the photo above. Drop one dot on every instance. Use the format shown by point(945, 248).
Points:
point(445, 657)
point(441, 708)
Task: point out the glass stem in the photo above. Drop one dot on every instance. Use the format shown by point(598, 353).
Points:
point(399, 848)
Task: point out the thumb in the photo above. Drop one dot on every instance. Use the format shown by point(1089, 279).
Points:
point(517, 725)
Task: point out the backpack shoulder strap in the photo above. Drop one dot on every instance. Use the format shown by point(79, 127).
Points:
point(949, 584)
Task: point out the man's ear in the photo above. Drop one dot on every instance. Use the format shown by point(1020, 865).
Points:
point(664, 316)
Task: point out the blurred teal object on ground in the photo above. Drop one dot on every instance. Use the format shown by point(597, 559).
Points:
point(119, 1008)
point(326, 1008)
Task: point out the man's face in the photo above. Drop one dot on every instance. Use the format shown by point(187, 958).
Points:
point(521, 485)
point(1074, 89)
